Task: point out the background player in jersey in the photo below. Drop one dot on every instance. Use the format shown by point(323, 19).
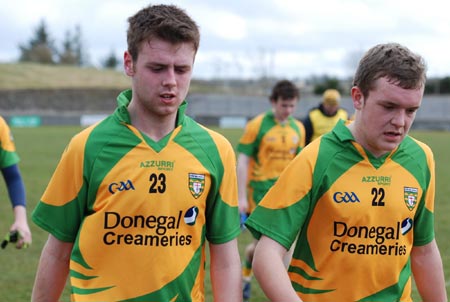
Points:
point(16, 188)
point(270, 141)
point(362, 197)
point(135, 197)
point(323, 118)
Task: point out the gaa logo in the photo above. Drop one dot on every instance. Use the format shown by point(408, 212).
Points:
point(345, 197)
point(120, 186)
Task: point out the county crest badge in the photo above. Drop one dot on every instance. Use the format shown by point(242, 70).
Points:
point(196, 184)
point(410, 197)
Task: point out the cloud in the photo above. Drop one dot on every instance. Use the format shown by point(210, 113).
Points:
point(283, 38)
point(224, 25)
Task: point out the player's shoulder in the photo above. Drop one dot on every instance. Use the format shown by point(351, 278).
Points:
point(413, 146)
point(219, 139)
point(93, 134)
point(85, 133)
point(257, 120)
point(207, 143)
point(256, 124)
point(327, 147)
point(78, 141)
point(298, 123)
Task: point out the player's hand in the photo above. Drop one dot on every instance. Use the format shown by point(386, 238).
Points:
point(243, 205)
point(24, 234)
point(20, 226)
point(244, 217)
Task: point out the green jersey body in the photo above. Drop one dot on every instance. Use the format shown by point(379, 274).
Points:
point(356, 217)
point(139, 211)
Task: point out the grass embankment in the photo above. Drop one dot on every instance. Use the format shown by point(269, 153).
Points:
point(39, 76)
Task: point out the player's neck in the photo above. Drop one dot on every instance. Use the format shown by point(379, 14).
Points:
point(155, 127)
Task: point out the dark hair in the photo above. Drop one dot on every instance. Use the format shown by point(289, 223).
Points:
point(285, 90)
point(166, 22)
point(393, 61)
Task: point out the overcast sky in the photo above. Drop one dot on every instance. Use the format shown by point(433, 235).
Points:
point(250, 38)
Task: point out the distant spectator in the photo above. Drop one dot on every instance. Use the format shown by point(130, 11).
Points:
point(323, 118)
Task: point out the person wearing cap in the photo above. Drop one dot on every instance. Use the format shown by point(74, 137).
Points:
point(323, 118)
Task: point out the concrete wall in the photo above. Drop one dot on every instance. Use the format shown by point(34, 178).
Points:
point(433, 114)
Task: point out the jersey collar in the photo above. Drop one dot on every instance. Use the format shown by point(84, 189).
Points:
point(124, 99)
point(342, 132)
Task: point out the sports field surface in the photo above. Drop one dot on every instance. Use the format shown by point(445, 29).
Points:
point(40, 150)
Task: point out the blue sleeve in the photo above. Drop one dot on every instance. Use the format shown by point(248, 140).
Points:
point(14, 183)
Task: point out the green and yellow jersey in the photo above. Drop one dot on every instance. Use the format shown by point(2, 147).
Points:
point(139, 211)
point(322, 123)
point(270, 146)
point(357, 217)
point(8, 154)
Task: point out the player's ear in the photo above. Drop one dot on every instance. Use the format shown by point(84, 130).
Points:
point(128, 64)
point(357, 97)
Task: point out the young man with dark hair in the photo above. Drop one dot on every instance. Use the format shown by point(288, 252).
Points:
point(270, 141)
point(362, 198)
point(135, 197)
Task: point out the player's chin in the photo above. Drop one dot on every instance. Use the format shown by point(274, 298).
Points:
point(389, 145)
point(167, 110)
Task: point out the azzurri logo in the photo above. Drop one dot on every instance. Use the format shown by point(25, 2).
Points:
point(345, 197)
point(120, 186)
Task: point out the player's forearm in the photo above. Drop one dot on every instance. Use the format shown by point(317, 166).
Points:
point(45, 290)
point(274, 281)
point(15, 185)
point(50, 281)
point(271, 273)
point(428, 272)
point(226, 272)
point(242, 171)
point(20, 214)
point(226, 284)
point(52, 271)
